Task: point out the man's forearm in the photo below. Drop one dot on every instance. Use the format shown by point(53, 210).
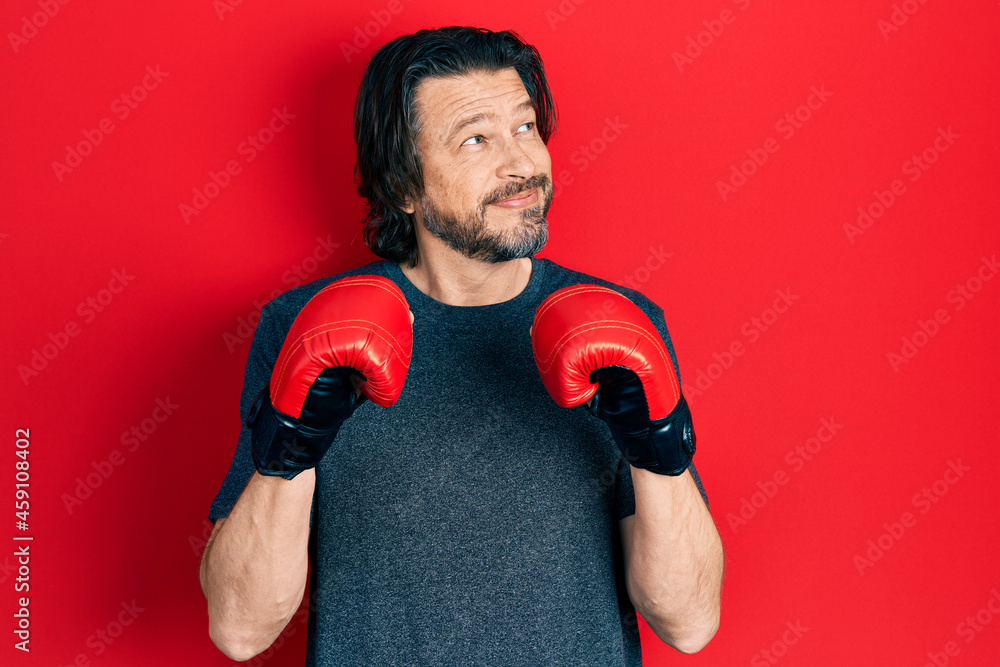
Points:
point(676, 561)
point(254, 568)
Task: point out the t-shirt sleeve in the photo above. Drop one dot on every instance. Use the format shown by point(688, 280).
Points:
point(264, 351)
point(624, 491)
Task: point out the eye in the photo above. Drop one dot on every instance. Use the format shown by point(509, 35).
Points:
point(529, 127)
point(472, 141)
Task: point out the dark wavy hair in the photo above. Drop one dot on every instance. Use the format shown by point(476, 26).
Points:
point(387, 171)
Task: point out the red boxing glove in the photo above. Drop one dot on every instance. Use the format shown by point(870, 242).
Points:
point(355, 332)
point(623, 360)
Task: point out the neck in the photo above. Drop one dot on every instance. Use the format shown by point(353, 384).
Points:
point(456, 280)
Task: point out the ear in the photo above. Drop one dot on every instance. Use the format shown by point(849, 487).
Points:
point(411, 204)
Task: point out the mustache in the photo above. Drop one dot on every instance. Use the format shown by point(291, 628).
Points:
point(510, 189)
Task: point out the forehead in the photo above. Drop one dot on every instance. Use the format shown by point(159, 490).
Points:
point(442, 103)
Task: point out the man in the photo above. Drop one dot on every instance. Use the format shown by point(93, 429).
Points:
point(460, 516)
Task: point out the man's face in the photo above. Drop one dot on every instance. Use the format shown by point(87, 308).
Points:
point(487, 182)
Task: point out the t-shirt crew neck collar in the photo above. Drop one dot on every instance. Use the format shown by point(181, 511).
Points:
point(423, 305)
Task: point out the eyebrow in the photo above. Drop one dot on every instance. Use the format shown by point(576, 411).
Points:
point(484, 117)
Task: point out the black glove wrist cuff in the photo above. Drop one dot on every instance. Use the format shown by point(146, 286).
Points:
point(665, 446)
point(279, 444)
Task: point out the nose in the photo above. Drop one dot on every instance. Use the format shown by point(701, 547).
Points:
point(515, 161)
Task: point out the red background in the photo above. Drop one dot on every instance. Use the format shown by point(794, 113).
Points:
point(672, 131)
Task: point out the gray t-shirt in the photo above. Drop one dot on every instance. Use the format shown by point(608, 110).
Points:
point(474, 522)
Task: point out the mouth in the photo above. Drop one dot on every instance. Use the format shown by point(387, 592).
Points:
point(525, 198)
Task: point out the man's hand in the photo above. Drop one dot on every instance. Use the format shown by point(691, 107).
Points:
point(355, 335)
point(624, 362)
point(350, 342)
point(621, 367)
